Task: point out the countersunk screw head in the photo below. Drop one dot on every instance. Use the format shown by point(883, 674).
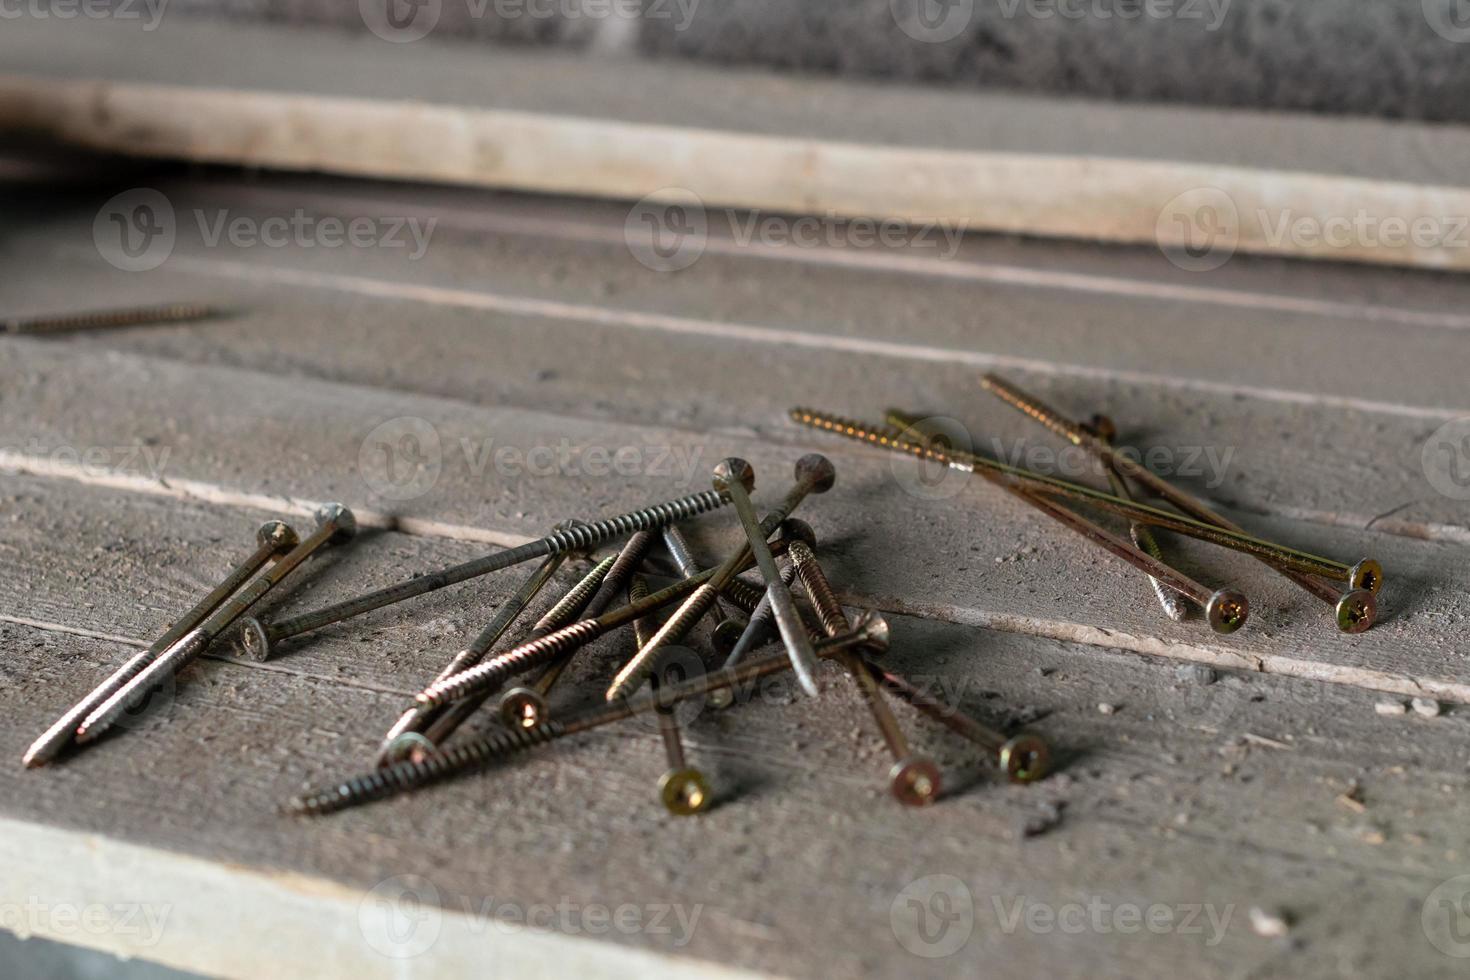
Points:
point(252, 642)
point(1367, 574)
point(1356, 611)
point(795, 529)
point(341, 518)
point(727, 633)
point(816, 471)
point(915, 781)
point(734, 470)
point(1227, 611)
point(522, 707)
point(684, 792)
point(278, 535)
point(1025, 758)
point(876, 631)
point(1102, 427)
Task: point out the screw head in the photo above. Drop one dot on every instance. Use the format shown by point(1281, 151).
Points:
point(794, 529)
point(1025, 758)
point(278, 535)
point(522, 707)
point(1367, 574)
point(915, 781)
point(408, 745)
point(1356, 611)
point(1102, 427)
point(252, 642)
point(734, 470)
point(340, 518)
point(684, 792)
point(727, 633)
point(721, 698)
point(877, 632)
point(816, 471)
point(1227, 611)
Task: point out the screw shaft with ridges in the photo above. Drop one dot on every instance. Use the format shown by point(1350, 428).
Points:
point(93, 319)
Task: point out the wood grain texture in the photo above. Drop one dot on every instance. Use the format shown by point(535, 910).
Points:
point(332, 103)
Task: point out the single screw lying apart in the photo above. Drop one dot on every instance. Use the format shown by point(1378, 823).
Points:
point(1366, 574)
point(736, 477)
point(335, 523)
point(1354, 612)
point(683, 789)
point(274, 538)
point(1101, 427)
point(1023, 758)
point(724, 630)
point(871, 632)
point(490, 674)
point(415, 719)
point(258, 641)
point(526, 706)
point(92, 319)
point(913, 780)
point(814, 474)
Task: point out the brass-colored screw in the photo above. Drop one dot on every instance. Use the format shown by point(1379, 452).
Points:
point(724, 630)
point(93, 319)
point(579, 538)
point(871, 632)
point(273, 539)
point(913, 780)
point(1354, 612)
point(683, 789)
point(1269, 551)
point(335, 523)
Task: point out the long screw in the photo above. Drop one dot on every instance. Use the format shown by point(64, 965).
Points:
point(1103, 429)
point(683, 789)
point(814, 474)
point(583, 537)
point(1023, 758)
point(913, 780)
point(526, 706)
point(870, 633)
point(416, 718)
point(735, 476)
point(490, 674)
point(273, 539)
point(1354, 612)
point(725, 631)
point(93, 319)
point(335, 524)
point(1269, 551)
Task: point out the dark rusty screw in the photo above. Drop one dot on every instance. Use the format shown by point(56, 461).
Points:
point(1354, 612)
point(725, 631)
point(273, 539)
point(335, 524)
point(913, 780)
point(870, 633)
point(93, 319)
point(579, 538)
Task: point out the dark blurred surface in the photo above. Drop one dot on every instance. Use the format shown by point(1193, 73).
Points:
point(38, 959)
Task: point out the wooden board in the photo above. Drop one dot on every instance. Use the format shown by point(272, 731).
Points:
point(325, 101)
point(1225, 795)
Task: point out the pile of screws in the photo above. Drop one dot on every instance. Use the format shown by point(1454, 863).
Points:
point(418, 748)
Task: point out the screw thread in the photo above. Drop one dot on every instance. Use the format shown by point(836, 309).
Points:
point(171, 313)
point(491, 673)
point(570, 606)
point(818, 589)
point(584, 536)
point(747, 597)
point(1169, 600)
point(624, 565)
point(677, 626)
point(407, 775)
point(761, 614)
